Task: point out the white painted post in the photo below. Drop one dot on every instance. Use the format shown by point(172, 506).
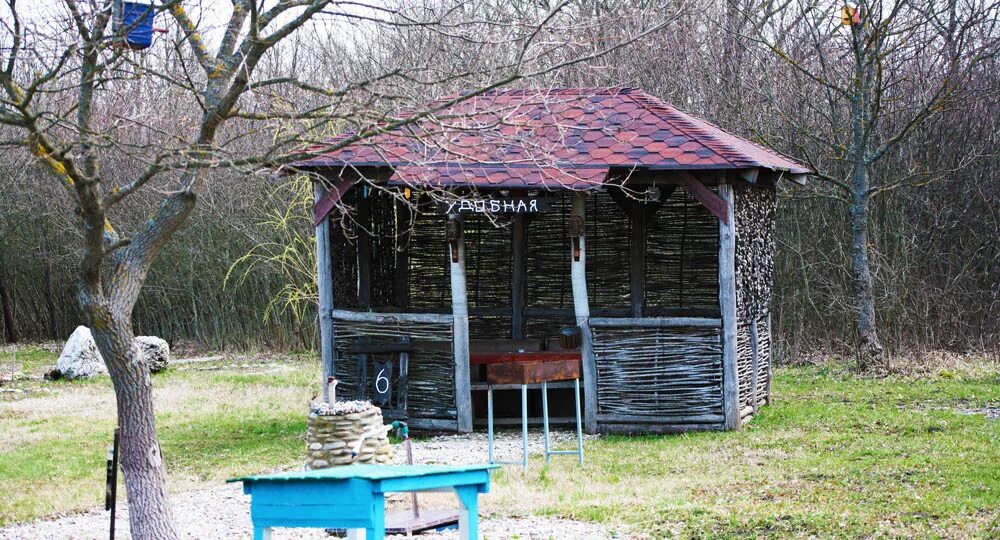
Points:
point(581, 307)
point(324, 285)
point(460, 331)
point(727, 304)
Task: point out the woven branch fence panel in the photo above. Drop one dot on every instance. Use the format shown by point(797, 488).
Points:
point(431, 384)
point(344, 254)
point(658, 372)
point(488, 273)
point(389, 227)
point(549, 267)
point(682, 255)
point(607, 242)
point(430, 262)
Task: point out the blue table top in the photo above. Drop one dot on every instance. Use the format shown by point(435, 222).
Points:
point(367, 472)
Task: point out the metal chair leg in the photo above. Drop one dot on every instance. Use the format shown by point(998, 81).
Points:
point(524, 425)
point(579, 421)
point(545, 419)
point(489, 420)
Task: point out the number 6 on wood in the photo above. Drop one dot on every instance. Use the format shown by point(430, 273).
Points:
point(383, 383)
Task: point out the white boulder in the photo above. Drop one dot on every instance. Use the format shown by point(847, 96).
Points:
point(155, 351)
point(80, 357)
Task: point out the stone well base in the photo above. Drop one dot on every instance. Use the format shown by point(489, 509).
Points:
point(335, 430)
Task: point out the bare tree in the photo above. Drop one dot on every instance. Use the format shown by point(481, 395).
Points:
point(867, 84)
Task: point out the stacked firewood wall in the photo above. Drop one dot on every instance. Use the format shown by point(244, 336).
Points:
point(755, 207)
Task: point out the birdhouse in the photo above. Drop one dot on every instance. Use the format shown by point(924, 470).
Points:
point(850, 15)
point(135, 20)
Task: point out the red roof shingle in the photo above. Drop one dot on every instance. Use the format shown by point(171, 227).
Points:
point(549, 138)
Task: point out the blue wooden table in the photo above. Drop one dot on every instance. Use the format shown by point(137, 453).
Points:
point(353, 497)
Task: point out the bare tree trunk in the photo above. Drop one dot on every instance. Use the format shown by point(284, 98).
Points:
point(869, 348)
point(7, 307)
point(150, 515)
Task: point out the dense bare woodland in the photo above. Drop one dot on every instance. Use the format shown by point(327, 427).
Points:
point(933, 224)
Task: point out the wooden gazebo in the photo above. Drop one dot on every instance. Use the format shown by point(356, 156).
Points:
point(502, 219)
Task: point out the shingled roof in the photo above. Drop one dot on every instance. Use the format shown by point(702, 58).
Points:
point(549, 138)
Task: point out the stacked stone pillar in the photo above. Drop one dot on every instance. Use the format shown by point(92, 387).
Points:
point(334, 431)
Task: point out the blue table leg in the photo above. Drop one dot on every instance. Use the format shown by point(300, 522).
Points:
point(468, 516)
point(261, 533)
point(377, 530)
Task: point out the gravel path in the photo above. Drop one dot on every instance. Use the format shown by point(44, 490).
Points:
point(223, 512)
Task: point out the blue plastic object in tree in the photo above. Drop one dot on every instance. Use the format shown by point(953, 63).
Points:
point(137, 20)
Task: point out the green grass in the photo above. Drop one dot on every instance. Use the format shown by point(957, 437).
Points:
point(27, 359)
point(213, 425)
point(833, 457)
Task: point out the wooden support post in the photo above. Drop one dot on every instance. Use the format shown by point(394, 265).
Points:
point(637, 258)
point(754, 364)
point(727, 304)
point(460, 329)
point(581, 307)
point(518, 275)
point(324, 277)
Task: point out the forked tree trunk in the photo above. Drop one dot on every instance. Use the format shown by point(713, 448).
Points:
point(150, 515)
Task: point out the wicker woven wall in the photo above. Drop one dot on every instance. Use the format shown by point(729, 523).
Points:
point(608, 242)
point(665, 374)
point(429, 261)
point(548, 267)
point(344, 253)
point(682, 255)
point(431, 385)
point(488, 273)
